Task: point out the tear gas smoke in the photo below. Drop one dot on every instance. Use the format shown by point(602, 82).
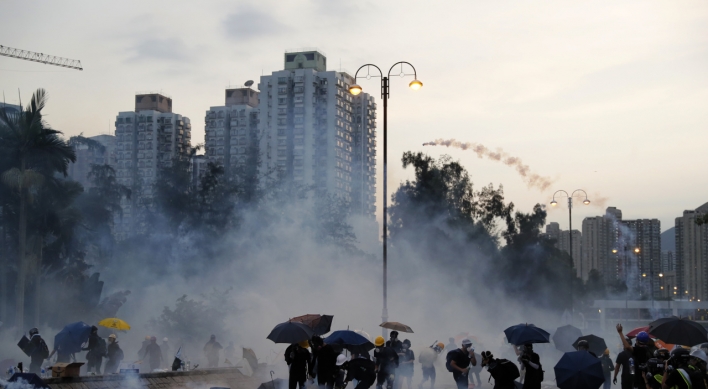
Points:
point(532, 180)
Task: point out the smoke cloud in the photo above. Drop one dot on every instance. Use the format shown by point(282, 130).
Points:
point(532, 180)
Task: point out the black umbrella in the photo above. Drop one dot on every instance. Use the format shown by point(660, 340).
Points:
point(680, 331)
point(597, 344)
point(526, 333)
point(290, 332)
point(579, 370)
point(565, 336)
point(277, 383)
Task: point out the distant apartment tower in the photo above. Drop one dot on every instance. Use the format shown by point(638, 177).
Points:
point(645, 235)
point(100, 150)
point(562, 242)
point(692, 255)
point(597, 248)
point(147, 140)
point(231, 131)
point(314, 132)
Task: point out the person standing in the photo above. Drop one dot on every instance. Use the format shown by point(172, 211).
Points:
point(458, 362)
point(96, 351)
point(153, 354)
point(166, 349)
point(114, 355)
point(427, 360)
point(451, 345)
point(211, 351)
point(230, 351)
point(406, 360)
point(324, 363)
point(607, 368)
point(386, 363)
point(298, 359)
point(531, 363)
point(38, 351)
point(475, 370)
point(623, 362)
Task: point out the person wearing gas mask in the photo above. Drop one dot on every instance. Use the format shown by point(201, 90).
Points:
point(503, 371)
point(531, 363)
point(386, 363)
point(427, 360)
point(459, 361)
point(652, 371)
point(697, 366)
point(676, 371)
point(642, 350)
point(406, 360)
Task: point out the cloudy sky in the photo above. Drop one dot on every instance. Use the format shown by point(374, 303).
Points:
point(608, 96)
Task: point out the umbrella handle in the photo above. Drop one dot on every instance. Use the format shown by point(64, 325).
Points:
point(271, 378)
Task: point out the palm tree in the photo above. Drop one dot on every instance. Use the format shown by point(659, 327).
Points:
point(36, 152)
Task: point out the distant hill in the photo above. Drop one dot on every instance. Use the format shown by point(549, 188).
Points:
point(668, 240)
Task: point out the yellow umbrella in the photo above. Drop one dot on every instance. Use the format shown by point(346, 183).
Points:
point(114, 323)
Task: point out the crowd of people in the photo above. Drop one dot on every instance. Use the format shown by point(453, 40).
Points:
point(105, 355)
point(640, 365)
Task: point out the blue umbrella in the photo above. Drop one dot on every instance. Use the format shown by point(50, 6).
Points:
point(70, 339)
point(354, 342)
point(526, 333)
point(579, 370)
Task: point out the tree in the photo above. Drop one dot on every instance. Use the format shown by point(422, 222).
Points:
point(34, 152)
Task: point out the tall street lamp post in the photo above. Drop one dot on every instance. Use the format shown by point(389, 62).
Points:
point(355, 90)
point(570, 234)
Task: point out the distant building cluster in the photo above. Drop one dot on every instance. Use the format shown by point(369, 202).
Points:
point(301, 124)
point(630, 252)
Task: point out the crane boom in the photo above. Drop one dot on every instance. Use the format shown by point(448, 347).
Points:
point(41, 58)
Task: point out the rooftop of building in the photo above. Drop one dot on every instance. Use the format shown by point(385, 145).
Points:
point(153, 101)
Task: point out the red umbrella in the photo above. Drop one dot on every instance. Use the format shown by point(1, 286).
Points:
point(633, 334)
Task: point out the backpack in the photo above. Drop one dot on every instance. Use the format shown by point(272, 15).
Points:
point(101, 348)
point(44, 348)
point(448, 360)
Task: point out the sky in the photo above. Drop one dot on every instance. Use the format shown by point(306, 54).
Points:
point(605, 96)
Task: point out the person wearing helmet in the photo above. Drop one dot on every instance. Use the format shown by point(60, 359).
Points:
point(607, 368)
point(153, 354)
point(427, 361)
point(678, 377)
point(697, 368)
point(386, 363)
point(458, 362)
point(531, 363)
point(298, 359)
point(114, 355)
point(642, 351)
point(96, 351)
point(340, 371)
point(406, 360)
point(362, 369)
point(38, 351)
point(166, 349)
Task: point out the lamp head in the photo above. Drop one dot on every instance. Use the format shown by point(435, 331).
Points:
point(636, 250)
point(586, 202)
point(355, 89)
point(614, 251)
point(415, 84)
point(554, 203)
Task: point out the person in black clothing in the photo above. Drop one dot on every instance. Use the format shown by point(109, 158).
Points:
point(607, 368)
point(503, 371)
point(362, 369)
point(386, 364)
point(532, 364)
point(298, 359)
point(583, 345)
point(642, 351)
point(622, 362)
point(95, 353)
point(406, 360)
point(697, 366)
point(395, 343)
point(39, 351)
point(679, 377)
point(459, 361)
point(153, 354)
point(324, 360)
point(114, 354)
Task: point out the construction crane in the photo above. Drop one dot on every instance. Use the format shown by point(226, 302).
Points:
point(41, 58)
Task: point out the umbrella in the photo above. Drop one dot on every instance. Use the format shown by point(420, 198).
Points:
point(526, 333)
point(596, 343)
point(320, 324)
point(394, 325)
point(350, 340)
point(565, 336)
point(678, 331)
point(633, 334)
point(71, 337)
point(277, 383)
point(290, 332)
point(579, 370)
point(116, 324)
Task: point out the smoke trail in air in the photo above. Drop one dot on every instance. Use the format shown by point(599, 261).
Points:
point(533, 180)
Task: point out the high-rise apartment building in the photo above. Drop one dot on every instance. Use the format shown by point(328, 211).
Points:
point(597, 248)
point(147, 140)
point(99, 150)
point(231, 131)
point(312, 131)
point(644, 236)
point(692, 255)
